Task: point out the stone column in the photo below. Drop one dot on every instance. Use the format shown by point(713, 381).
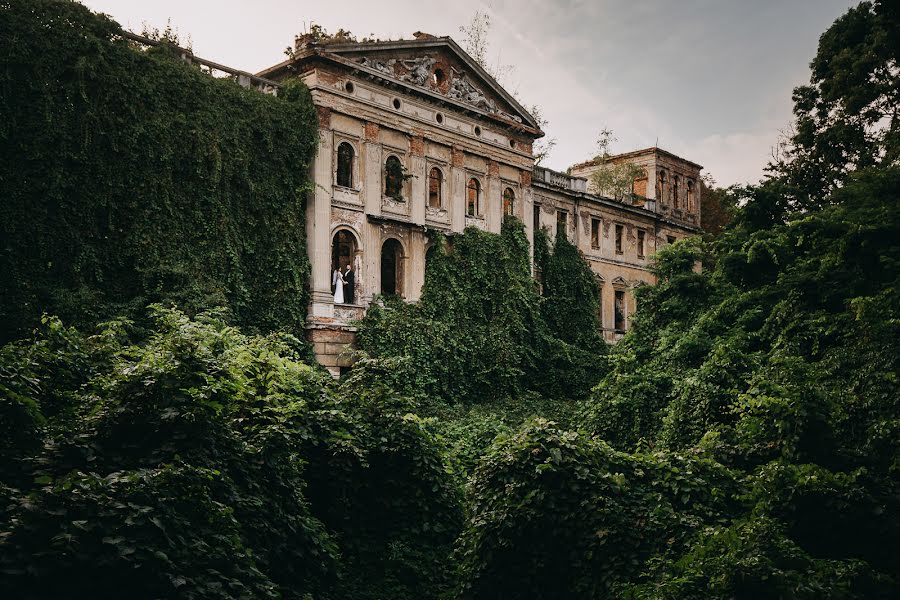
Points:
point(526, 211)
point(416, 263)
point(493, 201)
point(371, 232)
point(418, 188)
point(318, 221)
point(458, 190)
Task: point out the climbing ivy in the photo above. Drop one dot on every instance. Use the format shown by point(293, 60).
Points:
point(129, 177)
point(480, 332)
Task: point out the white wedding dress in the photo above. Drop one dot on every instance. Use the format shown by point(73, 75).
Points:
point(338, 281)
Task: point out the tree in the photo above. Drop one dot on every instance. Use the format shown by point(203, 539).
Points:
point(717, 206)
point(846, 117)
point(612, 178)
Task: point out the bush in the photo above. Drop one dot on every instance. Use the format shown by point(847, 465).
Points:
point(556, 514)
point(193, 461)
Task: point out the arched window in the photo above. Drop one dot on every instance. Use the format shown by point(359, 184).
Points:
point(690, 196)
point(661, 187)
point(392, 268)
point(345, 165)
point(675, 192)
point(473, 191)
point(435, 179)
point(393, 177)
point(509, 198)
point(343, 253)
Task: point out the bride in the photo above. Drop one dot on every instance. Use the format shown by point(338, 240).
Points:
point(337, 280)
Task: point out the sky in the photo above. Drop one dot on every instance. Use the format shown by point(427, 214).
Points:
point(709, 80)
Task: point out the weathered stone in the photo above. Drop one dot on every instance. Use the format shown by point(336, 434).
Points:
point(379, 100)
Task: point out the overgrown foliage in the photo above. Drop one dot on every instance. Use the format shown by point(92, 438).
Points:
point(202, 463)
point(130, 177)
point(556, 514)
point(479, 333)
point(775, 364)
point(742, 443)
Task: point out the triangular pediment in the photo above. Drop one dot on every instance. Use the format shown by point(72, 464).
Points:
point(439, 66)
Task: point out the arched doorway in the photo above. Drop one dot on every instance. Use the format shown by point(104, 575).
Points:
point(392, 268)
point(343, 255)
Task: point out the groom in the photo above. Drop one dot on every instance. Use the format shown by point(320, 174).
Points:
point(349, 280)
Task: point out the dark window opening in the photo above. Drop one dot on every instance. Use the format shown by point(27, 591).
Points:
point(595, 233)
point(345, 165)
point(536, 217)
point(619, 232)
point(562, 222)
point(509, 198)
point(435, 179)
point(391, 268)
point(473, 190)
point(620, 311)
point(640, 243)
point(393, 177)
point(670, 239)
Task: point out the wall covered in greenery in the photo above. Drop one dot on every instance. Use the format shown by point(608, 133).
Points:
point(130, 177)
point(480, 332)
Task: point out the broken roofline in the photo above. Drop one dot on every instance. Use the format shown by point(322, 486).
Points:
point(633, 153)
point(332, 51)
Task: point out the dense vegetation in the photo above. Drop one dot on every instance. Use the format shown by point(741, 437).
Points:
point(482, 331)
point(131, 177)
point(740, 442)
point(198, 462)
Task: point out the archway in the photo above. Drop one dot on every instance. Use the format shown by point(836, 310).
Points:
point(392, 268)
point(343, 254)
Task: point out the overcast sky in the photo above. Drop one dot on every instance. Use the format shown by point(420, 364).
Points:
point(709, 80)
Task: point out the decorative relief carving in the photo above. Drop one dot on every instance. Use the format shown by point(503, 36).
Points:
point(436, 214)
point(475, 222)
point(386, 67)
point(395, 206)
point(461, 89)
point(342, 216)
point(346, 314)
point(419, 71)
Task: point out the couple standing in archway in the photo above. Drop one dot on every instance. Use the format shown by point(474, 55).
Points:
point(342, 282)
point(343, 277)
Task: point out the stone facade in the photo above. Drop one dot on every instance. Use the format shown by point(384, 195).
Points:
point(463, 145)
point(670, 186)
point(616, 239)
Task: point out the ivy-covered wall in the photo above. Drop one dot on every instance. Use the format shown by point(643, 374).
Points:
point(480, 332)
point(130, 177)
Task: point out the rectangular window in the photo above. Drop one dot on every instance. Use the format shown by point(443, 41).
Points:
point(536, 216)
point(619, 232)
point(640, 242)
point(595, 233)
point(620, 310)
point(562, 220)
point(670, 239)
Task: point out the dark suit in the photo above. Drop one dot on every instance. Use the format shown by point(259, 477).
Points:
point(349, 280)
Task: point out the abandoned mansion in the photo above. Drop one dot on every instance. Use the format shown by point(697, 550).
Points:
point(415, 137)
